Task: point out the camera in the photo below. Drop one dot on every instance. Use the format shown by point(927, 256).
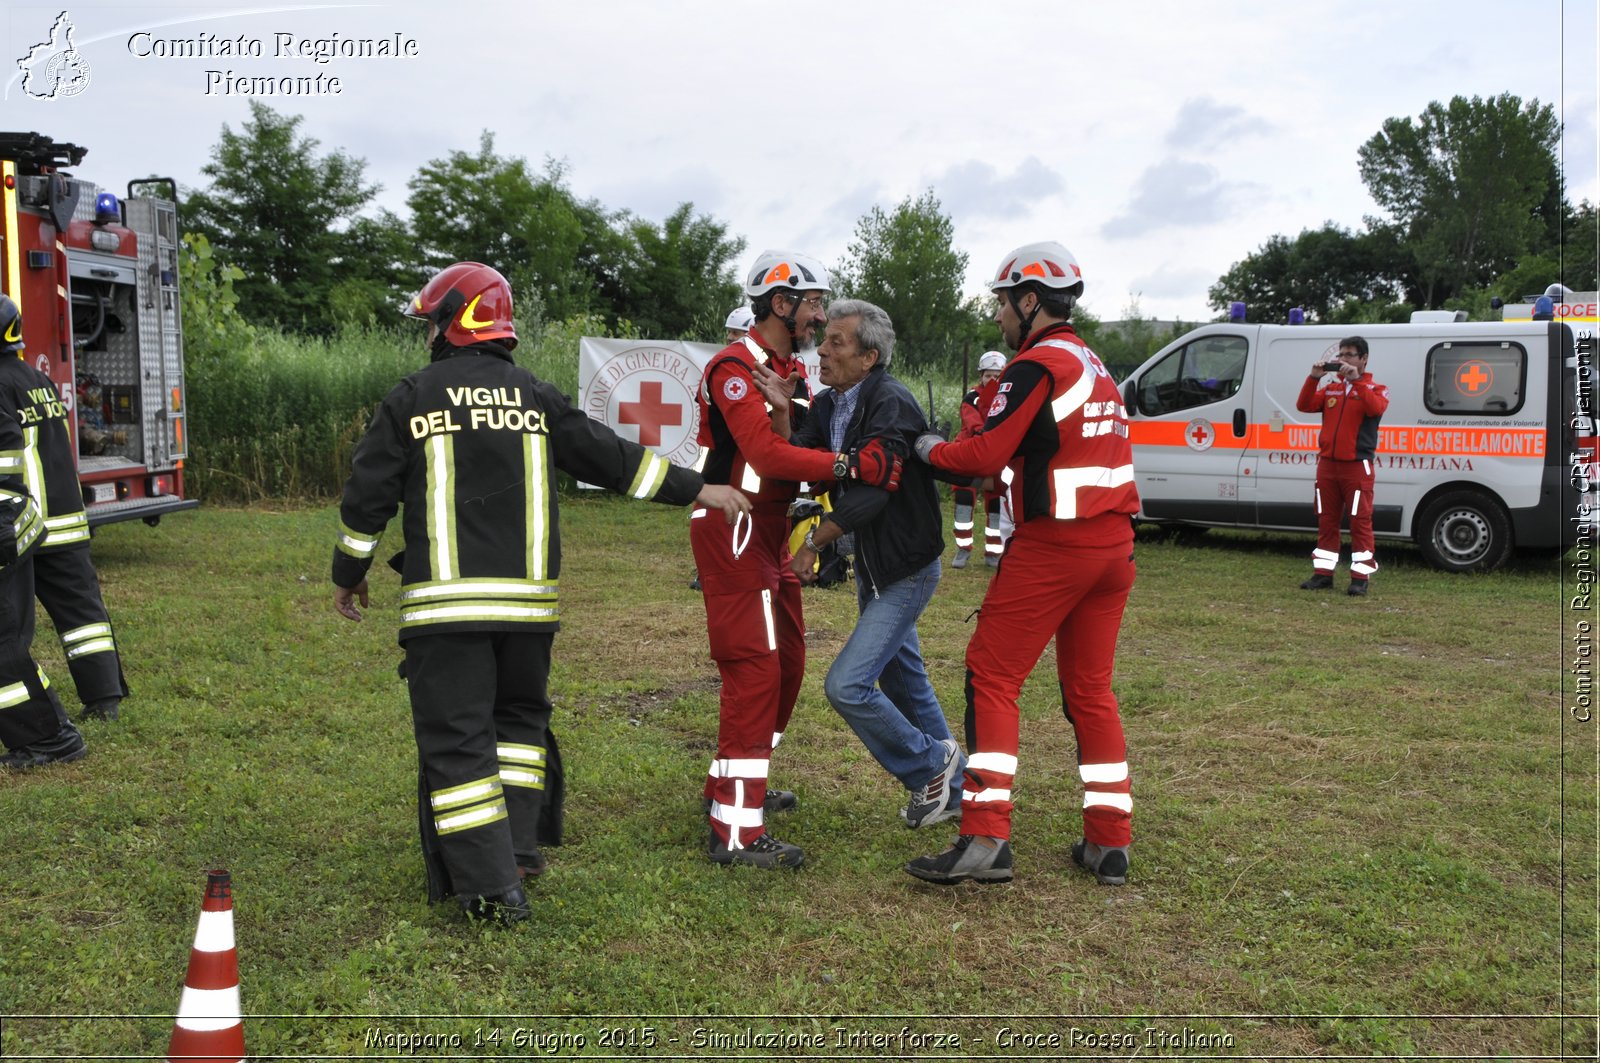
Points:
point(1332, 367)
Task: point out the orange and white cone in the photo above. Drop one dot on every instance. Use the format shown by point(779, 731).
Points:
point(209, 1028)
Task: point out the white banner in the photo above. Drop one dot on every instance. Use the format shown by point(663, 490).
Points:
point(646, 391)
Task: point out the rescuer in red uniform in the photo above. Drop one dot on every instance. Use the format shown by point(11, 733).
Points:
point(753, 612)
point(974, 405)
point(1058, 423)
point(1352, 405)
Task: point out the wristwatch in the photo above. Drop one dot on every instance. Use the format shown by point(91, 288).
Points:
point(810, 543)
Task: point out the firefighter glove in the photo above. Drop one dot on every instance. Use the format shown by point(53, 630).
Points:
point(870, 463)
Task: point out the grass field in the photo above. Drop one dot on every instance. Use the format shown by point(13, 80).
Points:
point(1362, 827)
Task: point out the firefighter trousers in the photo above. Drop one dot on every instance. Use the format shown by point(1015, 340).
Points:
point(29, 708)
point(66, 585)
point(1344, 489)
point(1076, 595)
point(757, 633)
point(481, 712)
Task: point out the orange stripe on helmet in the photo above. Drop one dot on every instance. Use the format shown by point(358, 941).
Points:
point(1033, 269)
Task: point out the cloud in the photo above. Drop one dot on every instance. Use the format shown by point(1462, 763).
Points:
point(1203, 122)
point(1177, 193)
point(975, 189)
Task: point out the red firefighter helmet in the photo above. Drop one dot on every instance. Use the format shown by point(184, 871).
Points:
point(10, 326)
point(468, 302)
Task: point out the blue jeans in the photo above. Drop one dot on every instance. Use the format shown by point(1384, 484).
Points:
point(880, 687)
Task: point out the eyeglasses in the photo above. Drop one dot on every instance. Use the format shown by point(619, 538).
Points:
point(814, 301)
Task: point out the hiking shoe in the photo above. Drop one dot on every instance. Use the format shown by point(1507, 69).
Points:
point(931, 804)
point(532, 865)
point(1358, 588)
point(1317, 583)
point(65, 746)
point(765, 851)
point(503, 908)
point(775, 801)
point(973, 856)
point(1108, 863)
point(961, 559)
point(103, 709)
point(992, 560)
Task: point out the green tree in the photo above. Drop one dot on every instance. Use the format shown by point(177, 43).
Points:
point(903, 260)
point(279, 211)
point(1328, 272)
point(484, 207)
point(1470, 187)
point(678, 276)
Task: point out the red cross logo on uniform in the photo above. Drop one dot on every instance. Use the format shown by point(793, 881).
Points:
point(650, 413)
point(1474, 378)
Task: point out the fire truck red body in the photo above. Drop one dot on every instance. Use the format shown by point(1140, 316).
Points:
point(97, 282)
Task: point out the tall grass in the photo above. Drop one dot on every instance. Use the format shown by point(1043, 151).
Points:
point(279, 417)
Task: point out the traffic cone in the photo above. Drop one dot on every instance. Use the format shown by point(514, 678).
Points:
point(209, 1028)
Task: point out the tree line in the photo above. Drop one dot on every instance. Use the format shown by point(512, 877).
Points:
point(1471, 193)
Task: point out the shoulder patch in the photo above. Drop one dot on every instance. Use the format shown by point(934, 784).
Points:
point(997, 406)
point(1005, 386)
point(735, 388)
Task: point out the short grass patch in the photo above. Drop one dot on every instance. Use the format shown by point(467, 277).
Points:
point(1361, 826)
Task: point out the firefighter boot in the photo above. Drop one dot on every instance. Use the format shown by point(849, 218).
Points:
point(64, 746)
point(104, 709)
point(504, 908)
point(973, 856)
point(1109, 863)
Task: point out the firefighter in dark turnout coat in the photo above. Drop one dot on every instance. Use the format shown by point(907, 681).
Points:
point(33, 726)
point(63, 574)
point(470, 445)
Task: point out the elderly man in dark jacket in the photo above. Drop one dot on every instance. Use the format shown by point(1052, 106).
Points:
point(878, 682)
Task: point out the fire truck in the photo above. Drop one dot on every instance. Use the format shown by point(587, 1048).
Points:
point(97, 281)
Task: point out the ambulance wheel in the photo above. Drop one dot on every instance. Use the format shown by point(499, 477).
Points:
point(1464, 531)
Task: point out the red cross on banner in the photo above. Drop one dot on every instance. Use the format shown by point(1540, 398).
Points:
point(651, 413)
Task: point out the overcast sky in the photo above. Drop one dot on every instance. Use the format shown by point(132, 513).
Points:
point(1160, 141)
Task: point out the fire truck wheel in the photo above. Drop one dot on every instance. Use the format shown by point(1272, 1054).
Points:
point(1464, 531)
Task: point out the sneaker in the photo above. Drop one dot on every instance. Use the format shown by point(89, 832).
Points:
point(1317, 583)
point(931, 804)
point(1358, 588)
point(973, 856)
point(1108, 863)
point(65, 746)
point(775, 801)
point(104, 709)
point(765, 851)
point(961, 559)
point(503, 908)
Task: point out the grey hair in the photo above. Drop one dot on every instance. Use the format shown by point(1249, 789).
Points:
point(873, 327)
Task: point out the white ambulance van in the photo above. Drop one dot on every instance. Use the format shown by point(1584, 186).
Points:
point(1487, 444)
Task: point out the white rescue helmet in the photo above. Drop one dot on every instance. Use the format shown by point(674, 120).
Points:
point(991, 360)
point(741, 318)
point(1047, 263)
point(786, 269)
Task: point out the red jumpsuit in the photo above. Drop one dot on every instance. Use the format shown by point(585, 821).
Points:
point(753, 613)
point(974, 409)
point(1059, 425)
point(1351, 412)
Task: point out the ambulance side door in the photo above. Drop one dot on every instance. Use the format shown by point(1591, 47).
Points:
point(1189, 421)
